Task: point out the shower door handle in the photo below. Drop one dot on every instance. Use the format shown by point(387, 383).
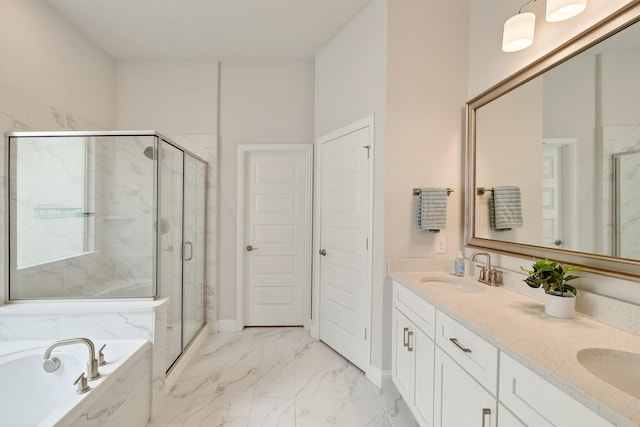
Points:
point(190, 246)
point(250, 248)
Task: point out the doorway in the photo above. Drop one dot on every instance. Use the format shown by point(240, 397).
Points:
point(559, 204)
point(273, 254)
point(344, 244)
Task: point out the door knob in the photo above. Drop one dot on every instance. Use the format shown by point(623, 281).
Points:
point(323, 252)
point(557, 242)
point(251, 248)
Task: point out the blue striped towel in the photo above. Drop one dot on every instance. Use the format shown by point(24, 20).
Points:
point(506, 208)
point(432, 209)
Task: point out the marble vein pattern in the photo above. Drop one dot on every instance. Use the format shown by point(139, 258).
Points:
point(277, 377)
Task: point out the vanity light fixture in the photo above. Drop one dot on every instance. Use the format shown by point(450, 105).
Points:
point(519, 29)
point(559, 10)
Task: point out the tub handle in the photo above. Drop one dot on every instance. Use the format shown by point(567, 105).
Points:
point(81, 383)
point(101, 360)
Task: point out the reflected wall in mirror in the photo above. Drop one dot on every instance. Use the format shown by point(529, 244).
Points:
point(566, 133)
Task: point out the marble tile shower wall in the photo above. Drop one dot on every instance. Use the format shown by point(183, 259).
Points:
point(122, 256)
point(128, 214)
point(20, 113)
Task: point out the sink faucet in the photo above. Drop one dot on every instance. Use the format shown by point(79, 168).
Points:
point(52, 364)
point(488, 276)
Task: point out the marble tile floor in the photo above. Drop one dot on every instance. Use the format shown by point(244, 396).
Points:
point(277, 377)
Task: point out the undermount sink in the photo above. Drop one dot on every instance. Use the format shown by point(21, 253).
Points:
point(618, 368)
point(453, 283)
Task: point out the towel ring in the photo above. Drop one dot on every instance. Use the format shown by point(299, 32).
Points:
point(416, 191)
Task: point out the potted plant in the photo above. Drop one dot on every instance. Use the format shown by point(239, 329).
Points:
point(553, 277)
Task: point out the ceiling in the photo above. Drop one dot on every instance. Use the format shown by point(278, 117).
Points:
point(225, 30)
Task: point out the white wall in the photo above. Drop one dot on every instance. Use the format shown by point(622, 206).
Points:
point(426, 97)
point(351, 81)
point(180, 100)
point(51, 77)
point(172, 97)
point(427, 79)
point(260, 103)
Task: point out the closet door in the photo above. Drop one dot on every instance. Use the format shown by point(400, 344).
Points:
point(193, 251)
point(169, 225)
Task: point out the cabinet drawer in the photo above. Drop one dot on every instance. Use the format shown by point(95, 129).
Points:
point(421, 313)
point(537, 402)
point(474, 354)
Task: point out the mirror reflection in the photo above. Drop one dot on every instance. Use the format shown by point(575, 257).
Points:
point(559, 156)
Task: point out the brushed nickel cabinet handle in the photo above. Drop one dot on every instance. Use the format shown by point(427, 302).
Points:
point(485, 412)
point(460, 346)
point(409, 335)
point(405, 340)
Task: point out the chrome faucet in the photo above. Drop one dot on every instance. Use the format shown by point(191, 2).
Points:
point(488, 276)
point(52, 364)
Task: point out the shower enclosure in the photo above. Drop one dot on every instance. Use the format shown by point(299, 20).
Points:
point(96, 215)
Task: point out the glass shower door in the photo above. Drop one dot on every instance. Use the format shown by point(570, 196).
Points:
point(627, 204)
point(169, 226)
point(193, 248)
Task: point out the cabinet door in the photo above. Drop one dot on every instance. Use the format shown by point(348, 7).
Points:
point(423, 387)
point(507, 419)
point(402, 358)
point(539, 403)
point(459, 399)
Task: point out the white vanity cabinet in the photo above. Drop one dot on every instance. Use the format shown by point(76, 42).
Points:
point(451, 376)
point(413, 352)
point(466, 376)
point(537, 402)
point(459, 399)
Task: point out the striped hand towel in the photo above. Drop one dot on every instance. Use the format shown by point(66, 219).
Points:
point(506, 208)
point(432, 209)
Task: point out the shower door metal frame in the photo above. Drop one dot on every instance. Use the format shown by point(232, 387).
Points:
point(157, 195)
point(616, 199)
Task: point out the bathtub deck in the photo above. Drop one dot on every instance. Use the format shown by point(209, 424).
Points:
point(277, 377)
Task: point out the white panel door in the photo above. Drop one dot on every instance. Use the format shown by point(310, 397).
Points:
point(277, 242)
point(345, 287)
point(552, 187)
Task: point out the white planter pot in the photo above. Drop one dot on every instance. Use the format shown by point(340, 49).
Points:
point(560, 306)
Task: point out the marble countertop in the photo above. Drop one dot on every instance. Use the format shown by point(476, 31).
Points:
point(518, 326)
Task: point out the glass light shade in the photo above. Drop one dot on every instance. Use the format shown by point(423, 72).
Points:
point(559, 10)
point(518, 32)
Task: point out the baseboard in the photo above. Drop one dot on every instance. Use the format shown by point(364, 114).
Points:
point(377, 376)
point(226, 325)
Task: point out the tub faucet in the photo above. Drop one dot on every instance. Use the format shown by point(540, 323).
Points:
point(52, 364)
point(488, 276)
